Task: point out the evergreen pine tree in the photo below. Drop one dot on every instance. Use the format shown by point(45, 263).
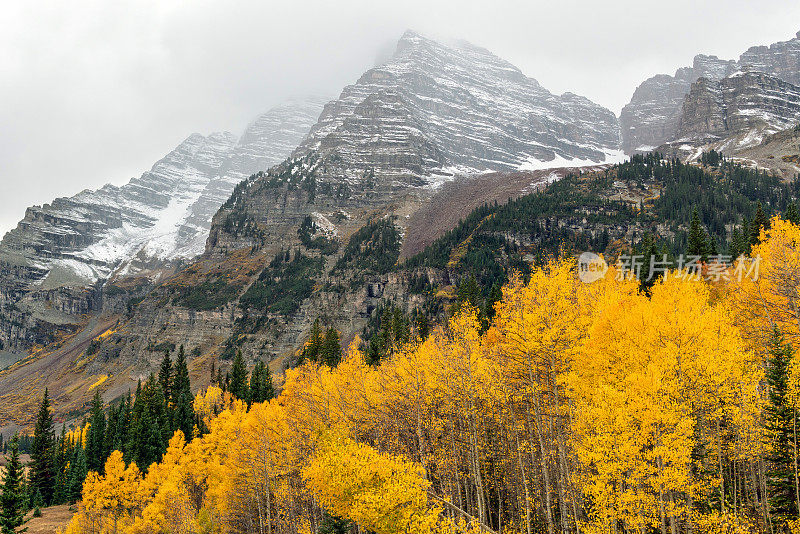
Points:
point(96, 436)
point(331, 524)
point(42, 475)
point(59, 493)
point(647, 249)
point(238, 380)
point(37, 502)
point(76, 474)
point(182, 410)
point(468, 291)
point(150, 426)
point(311, 349)
point(781, 424)
point(260, 384)
point(254, 389)
point(759, 222)
point(423, 326)
point(697, 243)
point(792, 214)
point(12, 493)
point(112, 430)
point(331, 350)
point(495, 294)
point(268, 389)
point(735, 244)
point(118, 425)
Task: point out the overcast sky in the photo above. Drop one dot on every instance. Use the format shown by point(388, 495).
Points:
point(96, 91)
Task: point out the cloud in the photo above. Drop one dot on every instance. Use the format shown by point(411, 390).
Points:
point(95, 91)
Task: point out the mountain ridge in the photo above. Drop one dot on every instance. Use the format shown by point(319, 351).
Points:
point(63, 249)
point(651, 117)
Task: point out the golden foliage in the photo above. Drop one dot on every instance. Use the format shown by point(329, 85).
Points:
point(383, 493)
point(588, 407)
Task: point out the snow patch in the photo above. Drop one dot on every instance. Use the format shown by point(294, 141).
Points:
point(533, 164)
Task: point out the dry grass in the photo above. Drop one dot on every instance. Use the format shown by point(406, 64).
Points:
point(52, 520)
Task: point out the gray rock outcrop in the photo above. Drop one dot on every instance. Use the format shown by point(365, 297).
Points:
point(652, 116)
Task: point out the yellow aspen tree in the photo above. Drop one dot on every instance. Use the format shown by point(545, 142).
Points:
point(651, 370)
point(116, 494)
point(381, 493)
point(768, 294)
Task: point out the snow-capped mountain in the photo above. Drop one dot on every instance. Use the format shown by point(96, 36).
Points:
point(651, 117)
point(163, 215)
point(432, 108)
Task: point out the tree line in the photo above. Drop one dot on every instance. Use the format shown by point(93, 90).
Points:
point(138, 426)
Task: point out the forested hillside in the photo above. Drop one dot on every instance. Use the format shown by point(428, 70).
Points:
point(582, 407)
point(648, 206)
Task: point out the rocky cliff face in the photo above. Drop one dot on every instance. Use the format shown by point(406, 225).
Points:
point(780, 59)
point(748, 105)
point(652, 116)
point(434, 109)
point(61, 250)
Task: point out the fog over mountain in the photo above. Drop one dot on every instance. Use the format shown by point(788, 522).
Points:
point(95, 92)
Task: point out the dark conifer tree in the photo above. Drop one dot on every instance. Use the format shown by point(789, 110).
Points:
point(183, 417)
point(423, 326)
point(781, 424)
point(12, 493)
point(238, 380)
point(468, 291)
point(96, 435)
point(792, 214)
point(112, 429)
point(697, 241)
point(267, 389)
point(312, 348)
point(149, 427)
point(61, 460)
point(42, 474)
point(76, 473)
point(759, 222)
point(260, 384)
point(495, 294)
point(331, 350)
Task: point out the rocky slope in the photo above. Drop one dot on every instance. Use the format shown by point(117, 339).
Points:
point(652, 116)
point(54, 260)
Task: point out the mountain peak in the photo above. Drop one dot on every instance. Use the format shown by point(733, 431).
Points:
point(467, 107)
